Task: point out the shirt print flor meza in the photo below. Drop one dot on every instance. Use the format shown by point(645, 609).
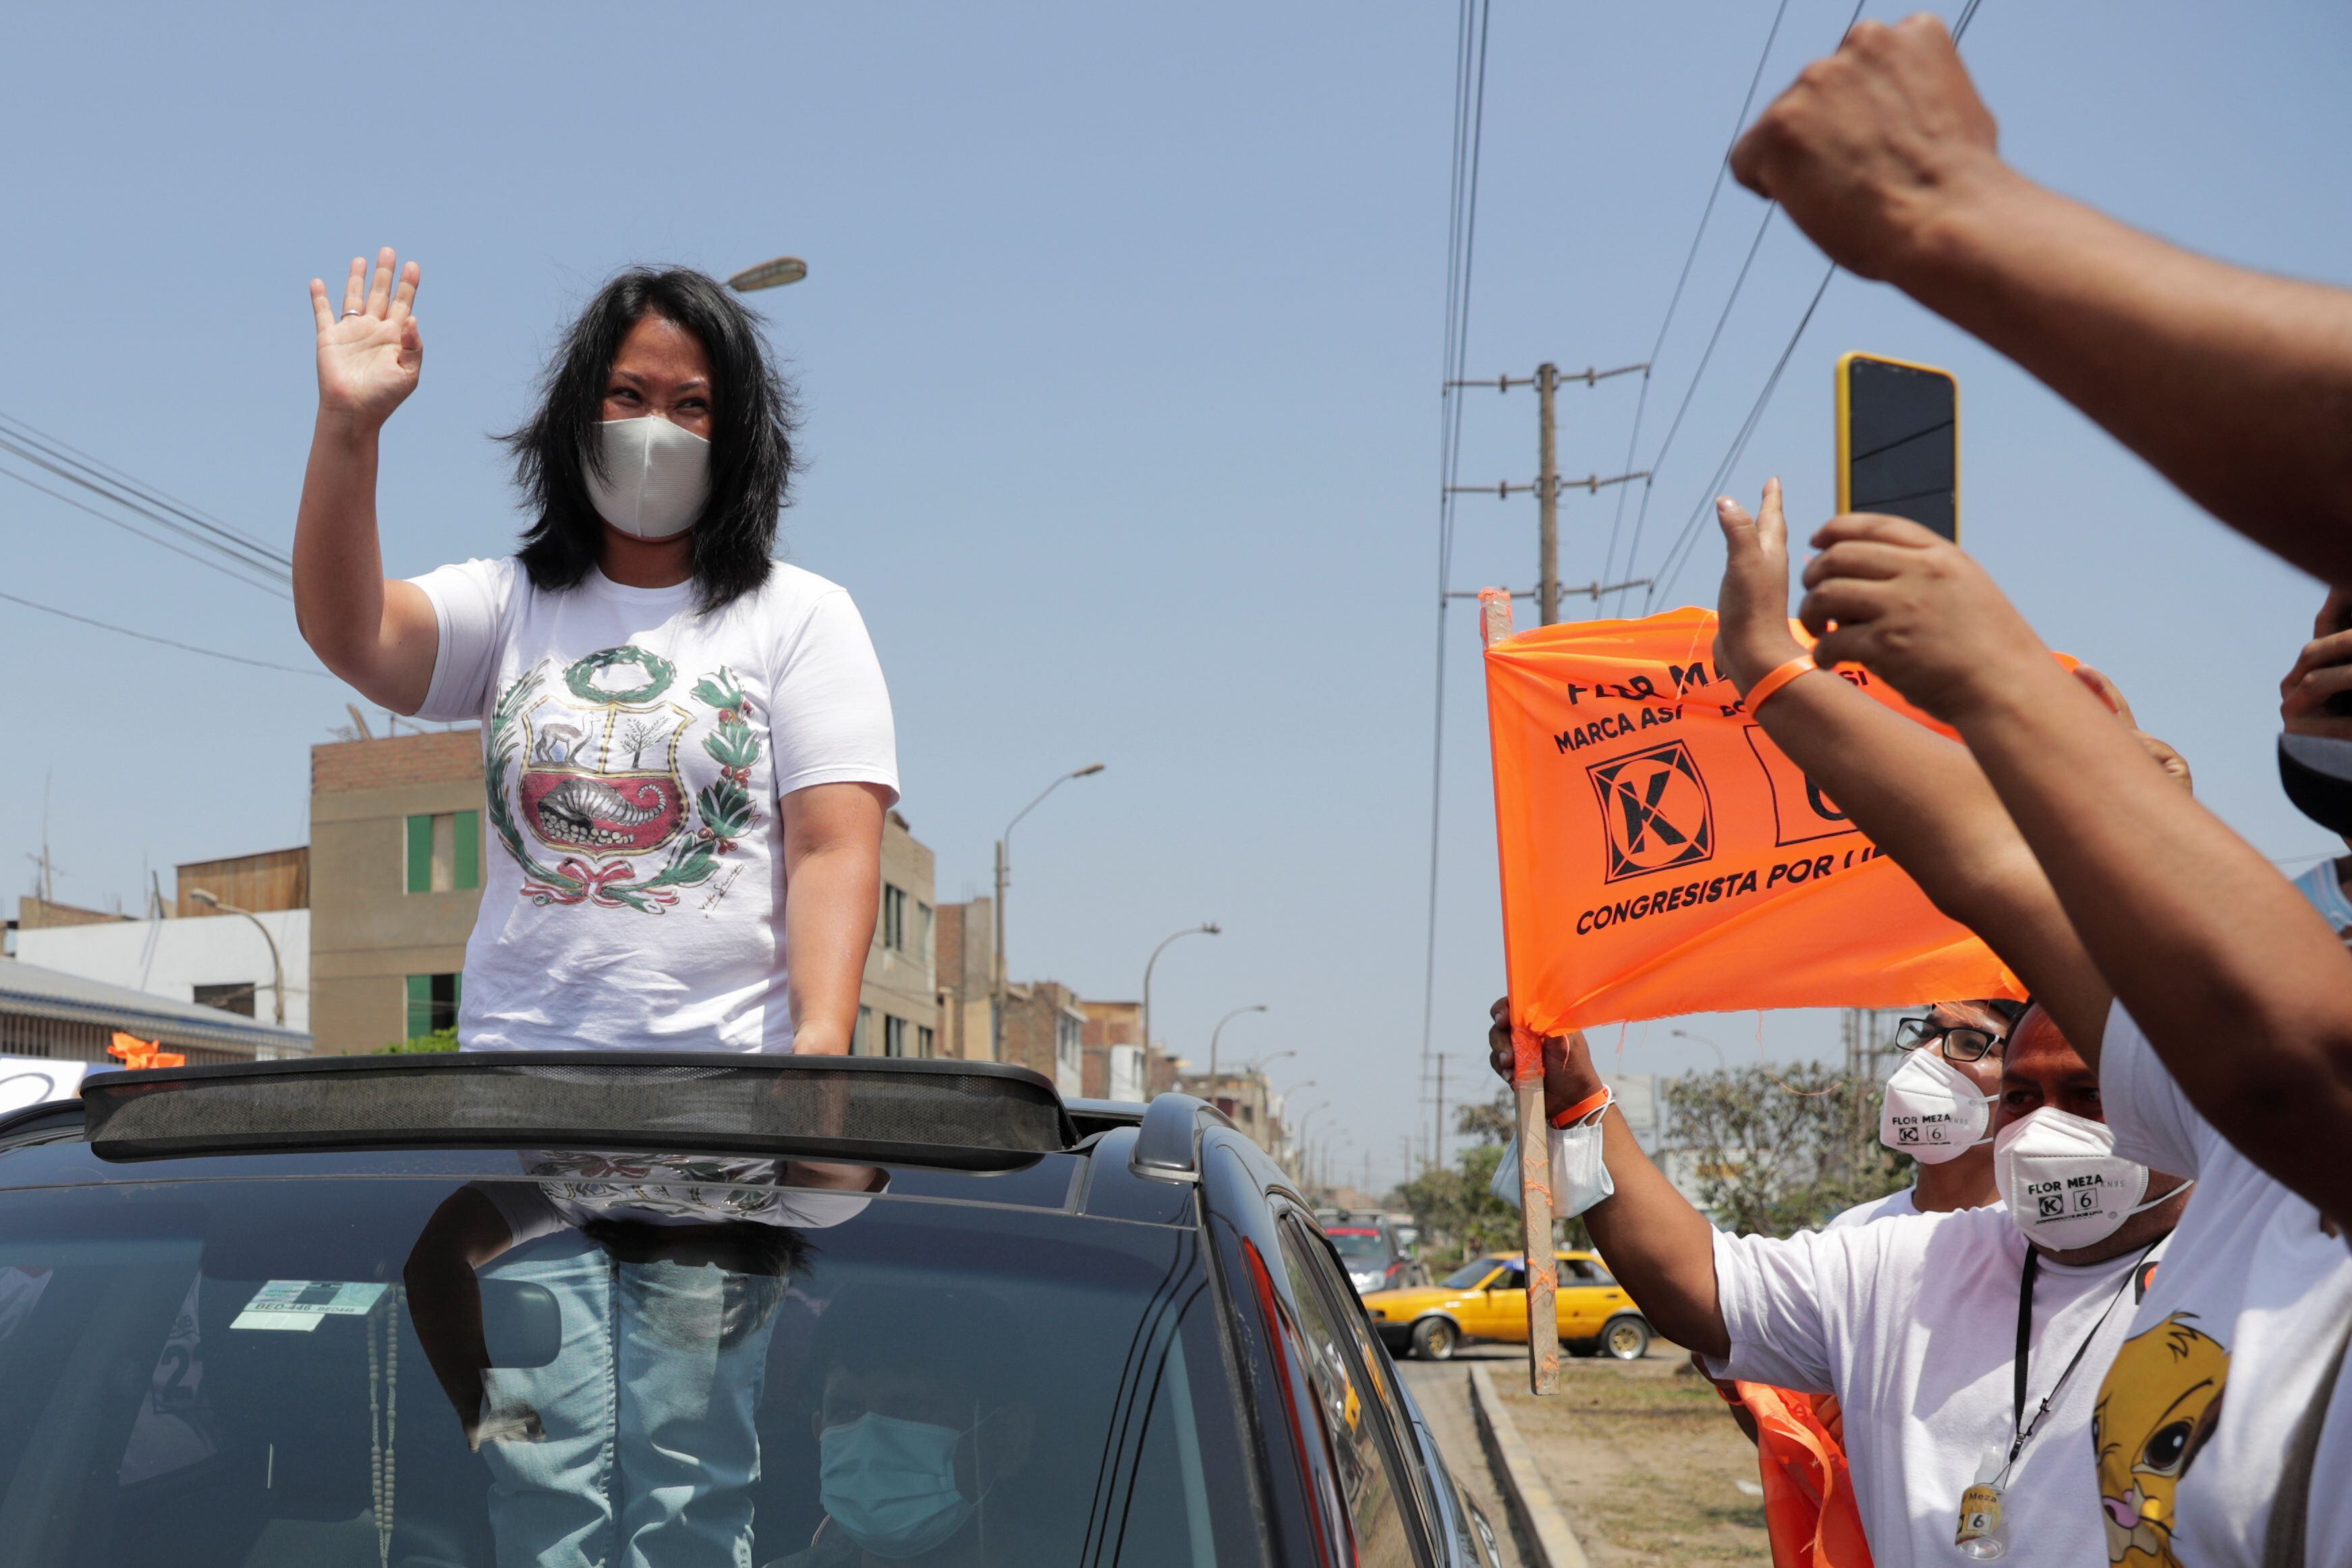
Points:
point(589, 766)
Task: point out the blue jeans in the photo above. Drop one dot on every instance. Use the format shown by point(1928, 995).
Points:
point(650, 1449)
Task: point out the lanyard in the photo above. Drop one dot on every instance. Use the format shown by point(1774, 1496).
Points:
point(2021, 1430)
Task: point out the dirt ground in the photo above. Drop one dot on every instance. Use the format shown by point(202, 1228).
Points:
point(1643, 1457)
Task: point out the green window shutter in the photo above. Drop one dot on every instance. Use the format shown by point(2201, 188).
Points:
point(420, 986)
point(420, 854)
point(468, 850)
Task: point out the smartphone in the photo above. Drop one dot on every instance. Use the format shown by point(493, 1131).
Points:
point(1898, 440)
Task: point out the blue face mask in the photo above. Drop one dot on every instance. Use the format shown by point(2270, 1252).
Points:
point(891, 1484)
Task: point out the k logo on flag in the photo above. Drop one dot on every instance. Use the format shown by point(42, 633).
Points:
point(1655, 810)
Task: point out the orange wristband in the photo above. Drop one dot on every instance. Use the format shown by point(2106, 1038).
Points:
point(1596, 1100)
point(1764, 690)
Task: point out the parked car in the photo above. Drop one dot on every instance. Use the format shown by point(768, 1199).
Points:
point(1376, 1257)
point(452, 1312)
point(1486, 1299)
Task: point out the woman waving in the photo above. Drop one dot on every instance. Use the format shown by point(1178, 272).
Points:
point(688, 746)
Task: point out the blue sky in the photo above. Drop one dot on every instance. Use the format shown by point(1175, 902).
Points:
point(1120, 349)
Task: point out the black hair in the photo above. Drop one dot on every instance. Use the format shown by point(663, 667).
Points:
point(753, 415)
point(2007, 1009)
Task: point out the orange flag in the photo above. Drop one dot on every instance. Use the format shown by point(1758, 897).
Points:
point(1660, 854)
point(137, 1053)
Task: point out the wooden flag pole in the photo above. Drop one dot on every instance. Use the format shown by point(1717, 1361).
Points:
point(1535, 1133)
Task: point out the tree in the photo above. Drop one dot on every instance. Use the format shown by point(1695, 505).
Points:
point(438, 1040)
point(1457, 1210)
point(1779, 1152)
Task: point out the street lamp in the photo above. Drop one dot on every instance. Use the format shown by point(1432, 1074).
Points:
point(1253, 1007)
point(1258, 1067)
point(277, 971)
point(1298, 1139)
point(773, 274)
point(1206, 928)
point(1004, 873)
point(1702, 1039)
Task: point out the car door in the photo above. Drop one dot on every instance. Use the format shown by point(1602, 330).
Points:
point(1583, 1300)
point(1361, 1419)
point(1499, 1312)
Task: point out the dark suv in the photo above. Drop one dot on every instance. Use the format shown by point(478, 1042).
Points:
point(575, 1308)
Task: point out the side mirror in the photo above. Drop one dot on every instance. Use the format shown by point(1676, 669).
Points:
point(522, 1324)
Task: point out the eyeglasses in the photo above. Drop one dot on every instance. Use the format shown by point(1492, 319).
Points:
point(1958, 1042)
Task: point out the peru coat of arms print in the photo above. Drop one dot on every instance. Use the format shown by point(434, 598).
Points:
point(584, 787)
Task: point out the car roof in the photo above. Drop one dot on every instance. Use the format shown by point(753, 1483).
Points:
point(980, 1130)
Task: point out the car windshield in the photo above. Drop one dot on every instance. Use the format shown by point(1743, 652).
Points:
point(1359, 1245)
point(1472, 1273)
point(606, 1362)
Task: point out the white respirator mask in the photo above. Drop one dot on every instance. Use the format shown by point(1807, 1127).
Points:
point(2063, 1182)
point(654, 477)
point(1933, 1112)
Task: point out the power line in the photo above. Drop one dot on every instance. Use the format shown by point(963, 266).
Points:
point(215, 543)
point(163, 543)
point(1641, 400)
point(1642, 513)
point(1679, 552)
point(150, 493)
point(1462, 222)
point(149, 637)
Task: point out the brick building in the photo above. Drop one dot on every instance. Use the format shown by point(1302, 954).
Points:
point(966, 962)
point(1044, 1031)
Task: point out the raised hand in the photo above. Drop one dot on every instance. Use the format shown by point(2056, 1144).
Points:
point(2321, 671)
point(1752, 636)
point(1912, 608)
point(369, 357)
point(1871, 143)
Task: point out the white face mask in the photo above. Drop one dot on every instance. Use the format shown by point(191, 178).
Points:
point(2063, 1182)
point(891, 1484)
point(1933, 1112)
point(1579, 1175)
point(656, 477)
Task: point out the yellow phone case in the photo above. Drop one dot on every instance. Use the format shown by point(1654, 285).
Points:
point(1845, 427)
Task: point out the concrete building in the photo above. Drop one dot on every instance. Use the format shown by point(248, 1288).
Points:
point(397, 851)
point(219, 962)
point(395, 868)
point(256, 964)
point(899, 1001)
point(965, 952)
point(68, 1018)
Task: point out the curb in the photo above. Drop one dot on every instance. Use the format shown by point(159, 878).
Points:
point(1543, 1526)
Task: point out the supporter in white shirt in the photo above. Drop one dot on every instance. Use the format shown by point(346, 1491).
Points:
point(1911, 1324)
point(1938, 1111)
point(688, 746)
point(2222, 1439)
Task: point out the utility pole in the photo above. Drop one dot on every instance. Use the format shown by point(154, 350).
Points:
point(1547, 494)
point(1549, 484)
point(1437, 1121)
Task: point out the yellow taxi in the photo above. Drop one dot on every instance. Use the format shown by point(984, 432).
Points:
point(1486, 1299)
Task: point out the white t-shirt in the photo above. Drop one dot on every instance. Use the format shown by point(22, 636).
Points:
point(1912, 1324)
point(577, 1188)
point(2324, 890)
point(2253, 1298)
point(635, 751)
point(1893, 1205)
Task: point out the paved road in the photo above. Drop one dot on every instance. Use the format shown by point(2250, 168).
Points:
point(1443, 1389)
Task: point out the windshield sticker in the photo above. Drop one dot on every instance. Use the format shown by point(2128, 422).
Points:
point(298, 1305)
